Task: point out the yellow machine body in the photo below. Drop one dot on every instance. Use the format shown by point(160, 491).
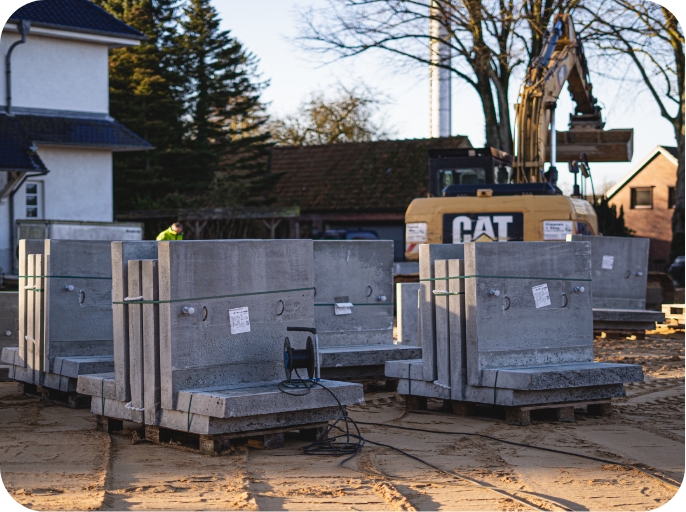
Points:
point(437, 220)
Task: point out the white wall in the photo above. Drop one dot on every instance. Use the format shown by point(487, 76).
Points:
point(59, 74)
point(78, 186)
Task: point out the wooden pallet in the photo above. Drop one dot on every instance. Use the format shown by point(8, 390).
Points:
point(517, 415)
point(71, 399)
point(215, 444)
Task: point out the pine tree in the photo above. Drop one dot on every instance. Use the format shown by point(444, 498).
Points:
point(226, 149)
point(145, 96)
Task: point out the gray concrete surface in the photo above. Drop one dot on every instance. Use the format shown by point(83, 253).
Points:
point(562, 376)
point(359, 272)
point(26, 247)
point(9, 319)
point(407, 312)
point(504, 326)
point(428, 254)
point(631, 320)
point(442, 316)
point(620, 270)
point(151, 342)
point(122, 252)
point(198, 350)
point(405, 369)
point(136, 362)
point(366, 355)
point(265, 399)
point(458, 327)
point(81, 365)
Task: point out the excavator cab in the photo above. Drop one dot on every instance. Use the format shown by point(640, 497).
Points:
point(467, 168)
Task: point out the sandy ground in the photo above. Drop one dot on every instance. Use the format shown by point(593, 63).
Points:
point(52, 458)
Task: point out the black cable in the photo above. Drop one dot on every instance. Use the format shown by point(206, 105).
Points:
point(350, 442)
point(524, 445)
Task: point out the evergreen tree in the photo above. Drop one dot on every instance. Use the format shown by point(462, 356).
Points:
point(145, 96)
point(610, 223)
point(226, 149)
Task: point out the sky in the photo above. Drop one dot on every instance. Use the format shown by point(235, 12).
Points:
point(294, 74)
point(268, 28)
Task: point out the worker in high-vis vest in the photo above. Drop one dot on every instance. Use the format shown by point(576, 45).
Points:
point(173, 232)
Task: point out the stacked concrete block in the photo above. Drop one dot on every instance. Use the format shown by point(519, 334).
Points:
point(353, 311)
point(407, 313)
point(206, 328)
point(619, 266)
point(64, 313)
point(512, 325)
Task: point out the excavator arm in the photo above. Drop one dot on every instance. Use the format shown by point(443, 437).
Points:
point(561, 61)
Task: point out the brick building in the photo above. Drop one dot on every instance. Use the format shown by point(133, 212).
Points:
point(647, 195)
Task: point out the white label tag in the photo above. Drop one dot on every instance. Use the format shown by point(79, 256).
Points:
point(240, 320)
point(415, 232)
point(342, 308)
point(608, 262)
point(541, 295)
point(556, 229)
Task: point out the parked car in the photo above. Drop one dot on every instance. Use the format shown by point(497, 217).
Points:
point(676, 270)
point(349, 234)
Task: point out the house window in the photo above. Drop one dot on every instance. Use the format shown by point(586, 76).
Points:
point(34, 201)
point(671, 201)
point(642, 197)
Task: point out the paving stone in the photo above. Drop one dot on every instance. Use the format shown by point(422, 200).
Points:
point(358, 272)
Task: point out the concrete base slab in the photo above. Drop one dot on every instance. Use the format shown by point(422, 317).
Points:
point(116, 409)
point(366, 355)
point(266, 398)
point(81, 365)
point(405, 369)
point(630, 320)
point(422, 388)
point(561, 376)
point(98, 385)
point(201, 424)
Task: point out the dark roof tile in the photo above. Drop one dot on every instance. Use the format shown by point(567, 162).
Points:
point(84, 132)
point(359, 176)
point(79, 15)
point(16, 148)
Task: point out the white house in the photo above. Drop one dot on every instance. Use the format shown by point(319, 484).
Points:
point(56, 134)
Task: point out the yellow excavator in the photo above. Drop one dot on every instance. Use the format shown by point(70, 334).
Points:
point(484, 194)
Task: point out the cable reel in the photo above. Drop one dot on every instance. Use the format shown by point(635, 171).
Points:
point(295, 359)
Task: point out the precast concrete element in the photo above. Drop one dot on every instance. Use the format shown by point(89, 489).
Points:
point(9, 319)
point(78, 298)
point(81, 365)
point(365, 355)
point(97, 385)
point(234, 340)
point(26, 247)
point(442, 315)
point(359, 272)
point(151, 342)
point(122, 252)
point(407, 312)
point(265, 399)
point(9, 326)
point(525, 306)
point(136, 362)
point(428, 254)
point(630, 320)
point(32, 302)
point(560, 376)
point(619, 266)
point(457, 330)
point(405, 369)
